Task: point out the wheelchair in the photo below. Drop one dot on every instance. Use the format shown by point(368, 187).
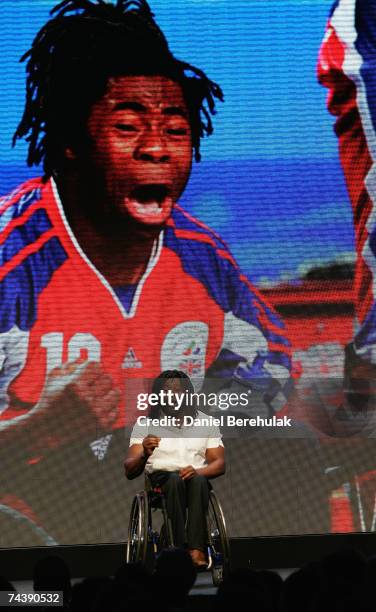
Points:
point(148, 536)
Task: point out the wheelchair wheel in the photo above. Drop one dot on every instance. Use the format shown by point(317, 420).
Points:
point(138, 529)
point(218, 544)
point(166, 539)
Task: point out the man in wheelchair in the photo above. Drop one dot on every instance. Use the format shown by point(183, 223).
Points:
point(178, 462)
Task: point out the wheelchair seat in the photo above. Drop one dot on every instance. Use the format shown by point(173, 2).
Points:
point(155, 493)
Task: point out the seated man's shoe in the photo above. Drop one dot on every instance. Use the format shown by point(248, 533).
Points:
point(198, 558)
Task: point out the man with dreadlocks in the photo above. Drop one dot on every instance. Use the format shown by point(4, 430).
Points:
point(104, 277)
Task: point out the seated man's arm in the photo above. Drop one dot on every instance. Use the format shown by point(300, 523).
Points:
point(215, 458)
point(135, 461)
point(138, 454)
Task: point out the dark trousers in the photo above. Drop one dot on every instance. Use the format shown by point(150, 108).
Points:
point(182, 495)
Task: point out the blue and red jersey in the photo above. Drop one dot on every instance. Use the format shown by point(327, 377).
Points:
point(347, 67)
point(192, 310)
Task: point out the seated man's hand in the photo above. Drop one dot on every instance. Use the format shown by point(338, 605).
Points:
point(150, 443)
point(187, 473)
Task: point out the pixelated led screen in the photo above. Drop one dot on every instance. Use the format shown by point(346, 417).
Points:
point(251, 284)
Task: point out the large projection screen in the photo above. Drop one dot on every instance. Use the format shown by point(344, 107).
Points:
point(271, 186)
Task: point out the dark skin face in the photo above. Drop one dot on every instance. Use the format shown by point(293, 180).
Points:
point(140, 151)
point(118, 188)
point(175, 385)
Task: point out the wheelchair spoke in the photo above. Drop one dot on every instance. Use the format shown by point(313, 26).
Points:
point(218, 545)
point(138, 530)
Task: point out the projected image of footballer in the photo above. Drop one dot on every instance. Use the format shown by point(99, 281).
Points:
point(103, 276)
point(347, 67)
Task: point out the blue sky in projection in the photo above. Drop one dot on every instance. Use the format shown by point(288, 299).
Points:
point(270, 181)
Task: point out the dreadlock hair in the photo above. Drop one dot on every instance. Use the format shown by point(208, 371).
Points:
point(73, 56)
point(186, 384)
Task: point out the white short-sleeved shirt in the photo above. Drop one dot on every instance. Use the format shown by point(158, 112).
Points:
point(178, 448)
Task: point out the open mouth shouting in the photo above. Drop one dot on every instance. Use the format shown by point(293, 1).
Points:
point(150, 203)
